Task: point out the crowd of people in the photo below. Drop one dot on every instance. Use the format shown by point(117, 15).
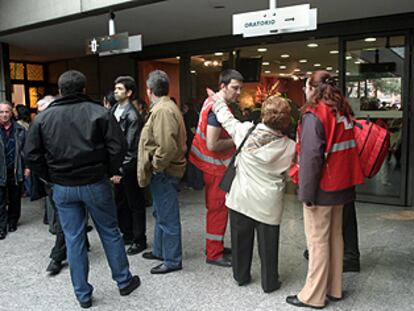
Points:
point(97, 161)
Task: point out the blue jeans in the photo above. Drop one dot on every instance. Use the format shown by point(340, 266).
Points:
point(72, 203)
point(167, 231)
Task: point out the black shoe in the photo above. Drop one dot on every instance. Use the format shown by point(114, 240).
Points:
point(294, 301)
point(133, 285)
point(54, 267)
point(227, 251)
point(86, 304)
point(2, 234)
point(332, 298)
point(306, 254)
point(12, 228)
point(244, 283)
point(221, 262)
point(150, 256)
point(127, 241)
point(351, 267)
point(272, 289)
point(163, 269)
point(136, 248)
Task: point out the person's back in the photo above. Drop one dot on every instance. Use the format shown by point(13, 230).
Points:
point(76, 144)
point(74, 131)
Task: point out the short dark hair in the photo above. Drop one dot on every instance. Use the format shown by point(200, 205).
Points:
point(128, 82)
point(158, 82)
point(71, 82)
point(230, 74)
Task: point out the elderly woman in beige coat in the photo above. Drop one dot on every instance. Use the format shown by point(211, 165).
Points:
point(256, 196)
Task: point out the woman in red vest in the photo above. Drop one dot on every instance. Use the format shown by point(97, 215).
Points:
point(328, 171)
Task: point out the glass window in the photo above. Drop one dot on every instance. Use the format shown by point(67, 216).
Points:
point(34, 72)
point(374, 82)
point(16, 71)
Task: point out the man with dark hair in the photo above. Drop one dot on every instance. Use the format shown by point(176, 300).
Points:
point(12, 171)
point(76, 144)
point(161, 164)
point(129, 197)
point(211, 152)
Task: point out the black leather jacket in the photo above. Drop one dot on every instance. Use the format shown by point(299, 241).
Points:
point(131, 124)
point(75, 141)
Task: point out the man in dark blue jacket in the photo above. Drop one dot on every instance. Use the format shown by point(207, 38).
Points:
point(76, 145)
point(11, 169)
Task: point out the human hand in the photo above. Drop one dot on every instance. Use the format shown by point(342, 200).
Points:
point(116, 179)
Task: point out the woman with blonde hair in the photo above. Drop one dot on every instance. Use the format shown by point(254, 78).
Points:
point(256, 196)
point(328, 171)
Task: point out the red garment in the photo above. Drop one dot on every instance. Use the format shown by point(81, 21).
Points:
point(212, 162)
point(217, 213)
point(342, 168)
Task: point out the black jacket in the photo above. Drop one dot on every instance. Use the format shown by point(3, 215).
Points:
point(20, 138)
point(131, 124)
point(75, 141)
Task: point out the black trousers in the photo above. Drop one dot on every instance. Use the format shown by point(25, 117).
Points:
point(242, 240)
point(130, 201)
point(10, 202)
point(350, 234)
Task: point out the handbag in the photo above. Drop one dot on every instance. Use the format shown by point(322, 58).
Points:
point(227, 180)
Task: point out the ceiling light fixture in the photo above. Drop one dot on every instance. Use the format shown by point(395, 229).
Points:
point(303, 61)
point(329, 68)
point(357, 62)
point(370, 39)
point(193, 71)
point(285, 56)
point(348, 57)
point(297, 70)
point(177, 57)
point(261, 50)
point(308, 72)
point(334, 52)
point(265, 63)
point(317, 65)
point(218, 54)
point(312, 45)
point(282, 67)
point(267, 71)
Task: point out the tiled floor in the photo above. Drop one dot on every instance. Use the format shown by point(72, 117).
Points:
point(386, 281)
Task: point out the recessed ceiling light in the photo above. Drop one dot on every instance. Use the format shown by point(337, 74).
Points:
point(295, 78)
point(178, 57)
point(261, 50)
point(282, 67)
point(312, 45)
point(308, 72)
point(317, 65)
point(282, 74)
point(193, 71)
point(370, 39)
point(218, 54)
point(207, 63)
point(329, 68)
point(265, 63)
point(297, 70)
point(215, 63)
point(285, 55)
point(334, 52)
point(303, 61)
point(337, 71)
point(357, 62)
point(268, 71)
point(348, 73)
point(348, 57)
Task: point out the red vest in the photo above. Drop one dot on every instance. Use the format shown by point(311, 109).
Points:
point(211, 162)
point(342, 168)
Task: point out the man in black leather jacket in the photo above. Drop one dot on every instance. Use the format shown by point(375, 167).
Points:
point(76, 145)
point(129, 196)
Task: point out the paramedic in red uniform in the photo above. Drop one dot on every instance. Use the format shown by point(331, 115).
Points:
point(329, 170)
point(211, 152)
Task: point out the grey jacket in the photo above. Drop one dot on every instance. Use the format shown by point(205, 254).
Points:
point(20, 138)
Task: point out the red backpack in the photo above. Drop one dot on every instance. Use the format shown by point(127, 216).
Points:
point(373, 142)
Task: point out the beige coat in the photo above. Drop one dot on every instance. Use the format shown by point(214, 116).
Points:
point(258, 188)
point(162, 144)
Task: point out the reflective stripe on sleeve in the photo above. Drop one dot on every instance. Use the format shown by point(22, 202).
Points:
point(344, 145)
point(209, 159)
point(214, 237)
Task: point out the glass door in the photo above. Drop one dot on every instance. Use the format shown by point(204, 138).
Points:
point(376, 76)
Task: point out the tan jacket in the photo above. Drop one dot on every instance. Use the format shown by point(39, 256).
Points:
point(162, 144)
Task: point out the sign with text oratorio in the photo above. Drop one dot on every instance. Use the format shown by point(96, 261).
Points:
point(275, 21)
point(102, 44)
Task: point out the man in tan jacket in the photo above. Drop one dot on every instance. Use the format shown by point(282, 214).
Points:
point(161, 164)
